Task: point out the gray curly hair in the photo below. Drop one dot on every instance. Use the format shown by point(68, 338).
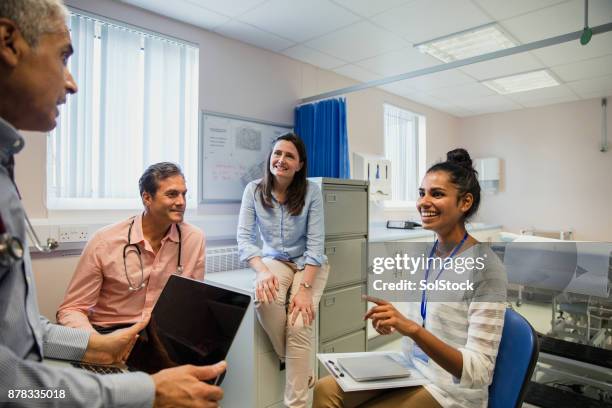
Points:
point(34, 17)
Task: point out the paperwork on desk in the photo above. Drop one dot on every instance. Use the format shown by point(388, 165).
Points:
point(347, 383)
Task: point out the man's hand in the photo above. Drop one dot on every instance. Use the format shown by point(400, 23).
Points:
point(266, 286)
point(302, 304)
point(113, 348)
point(386, 318)
point(184, 387)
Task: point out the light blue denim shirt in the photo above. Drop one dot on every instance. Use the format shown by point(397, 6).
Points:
point(295, 238)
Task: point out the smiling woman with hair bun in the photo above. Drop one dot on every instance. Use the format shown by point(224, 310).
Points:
point(452, 343)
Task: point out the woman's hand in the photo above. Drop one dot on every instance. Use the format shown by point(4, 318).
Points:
point(266, 286)
point(302, 304)
point(386, 318)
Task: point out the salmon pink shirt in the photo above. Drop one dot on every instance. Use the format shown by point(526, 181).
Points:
point(99, 292)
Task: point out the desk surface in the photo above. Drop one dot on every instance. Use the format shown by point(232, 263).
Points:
point(240, 280)
point(380, 233)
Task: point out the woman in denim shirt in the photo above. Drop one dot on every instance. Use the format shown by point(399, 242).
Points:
point(291, 269)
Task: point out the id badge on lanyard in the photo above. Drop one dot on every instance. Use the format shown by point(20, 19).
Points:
point(417, 352)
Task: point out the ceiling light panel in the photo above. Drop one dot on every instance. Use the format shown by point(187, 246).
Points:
point(522, 82)
point(469, 43)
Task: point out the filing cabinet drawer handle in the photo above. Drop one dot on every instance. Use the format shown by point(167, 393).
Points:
point(330, 250)
point(330, 301)
point(331, 198)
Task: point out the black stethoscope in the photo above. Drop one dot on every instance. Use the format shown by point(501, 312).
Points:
point(11, 248)
point(126, 248)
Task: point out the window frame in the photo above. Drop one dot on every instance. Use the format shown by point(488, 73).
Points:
point(420, 124)
point(84, 206)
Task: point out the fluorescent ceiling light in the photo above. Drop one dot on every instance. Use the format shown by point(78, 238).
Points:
point(522, 82)
point(468, 43)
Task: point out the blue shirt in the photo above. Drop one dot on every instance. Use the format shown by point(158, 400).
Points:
point(26, 337)
point(296, 238)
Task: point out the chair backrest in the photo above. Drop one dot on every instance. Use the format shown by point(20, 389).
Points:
point(516, 360)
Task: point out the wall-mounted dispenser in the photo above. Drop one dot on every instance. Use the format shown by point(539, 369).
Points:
point(376, 170)
point(488, 173)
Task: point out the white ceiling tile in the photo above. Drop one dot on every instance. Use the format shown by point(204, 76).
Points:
point(403, 89)
point(505, 66)
point(368, 8)
point(593, 87)
point(357, 73)
point(357, 42)
point(559, 19)
point(549, 101)
point(231, 8)
point(398, 62)
point(399, 88)
point(253, 35)
point(591, 68)
point(553, 92)
point(432, 101)
point(424, 20)
point(435, 103)
point(314, 57)
point(502, 9)
point(460, 112)
point(439, 80)
point(600, 45)
point(488, 104)
point(182, 10)
point(471, 91)
point(299, 20)
point(599, 94)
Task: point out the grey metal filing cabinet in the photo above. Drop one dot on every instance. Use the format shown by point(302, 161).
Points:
point(341, 326)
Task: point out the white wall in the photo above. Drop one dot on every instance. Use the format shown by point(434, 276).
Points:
point(238, 79)
point(554, 176)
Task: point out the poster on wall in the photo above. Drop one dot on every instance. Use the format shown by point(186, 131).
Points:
point(234, 152)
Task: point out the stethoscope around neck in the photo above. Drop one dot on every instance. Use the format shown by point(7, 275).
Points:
point(129, 245)
point(12, 249)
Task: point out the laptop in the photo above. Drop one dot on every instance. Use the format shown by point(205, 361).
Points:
point(193, 322)
point(370, 367)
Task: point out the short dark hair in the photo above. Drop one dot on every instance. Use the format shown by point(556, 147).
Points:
point(296, 193)
point(149, 181)
point(462, 174)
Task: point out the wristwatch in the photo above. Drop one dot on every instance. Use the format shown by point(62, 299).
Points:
point(306, 285)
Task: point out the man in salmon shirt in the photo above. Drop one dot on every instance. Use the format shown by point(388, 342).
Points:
point(125, 266)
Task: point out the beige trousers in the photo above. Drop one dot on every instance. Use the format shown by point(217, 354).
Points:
point(328, 394)
point(291, 342)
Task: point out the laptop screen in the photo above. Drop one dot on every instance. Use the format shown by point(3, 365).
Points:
point(191, 323)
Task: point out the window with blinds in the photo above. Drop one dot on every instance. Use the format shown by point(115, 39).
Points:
point(137, 105)
point(404, 137)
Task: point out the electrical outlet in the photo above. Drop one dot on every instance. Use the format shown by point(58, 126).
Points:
point(73, 233)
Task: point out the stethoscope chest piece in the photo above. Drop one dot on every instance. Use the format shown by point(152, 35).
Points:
point(11, 249)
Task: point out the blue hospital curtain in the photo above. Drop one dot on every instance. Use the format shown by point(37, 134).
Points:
point(322, 127)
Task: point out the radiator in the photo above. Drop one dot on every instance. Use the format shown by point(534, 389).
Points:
point(220, 259)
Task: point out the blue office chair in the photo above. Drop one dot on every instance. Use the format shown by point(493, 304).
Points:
point(516, 360)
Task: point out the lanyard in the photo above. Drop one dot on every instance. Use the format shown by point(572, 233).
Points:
point(431, 254)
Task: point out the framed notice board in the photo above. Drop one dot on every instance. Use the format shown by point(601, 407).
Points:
point(234, 152)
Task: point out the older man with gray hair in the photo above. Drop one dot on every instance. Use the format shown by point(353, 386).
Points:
point(34, 79)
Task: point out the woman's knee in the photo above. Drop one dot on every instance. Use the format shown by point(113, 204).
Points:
point(327, 394)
